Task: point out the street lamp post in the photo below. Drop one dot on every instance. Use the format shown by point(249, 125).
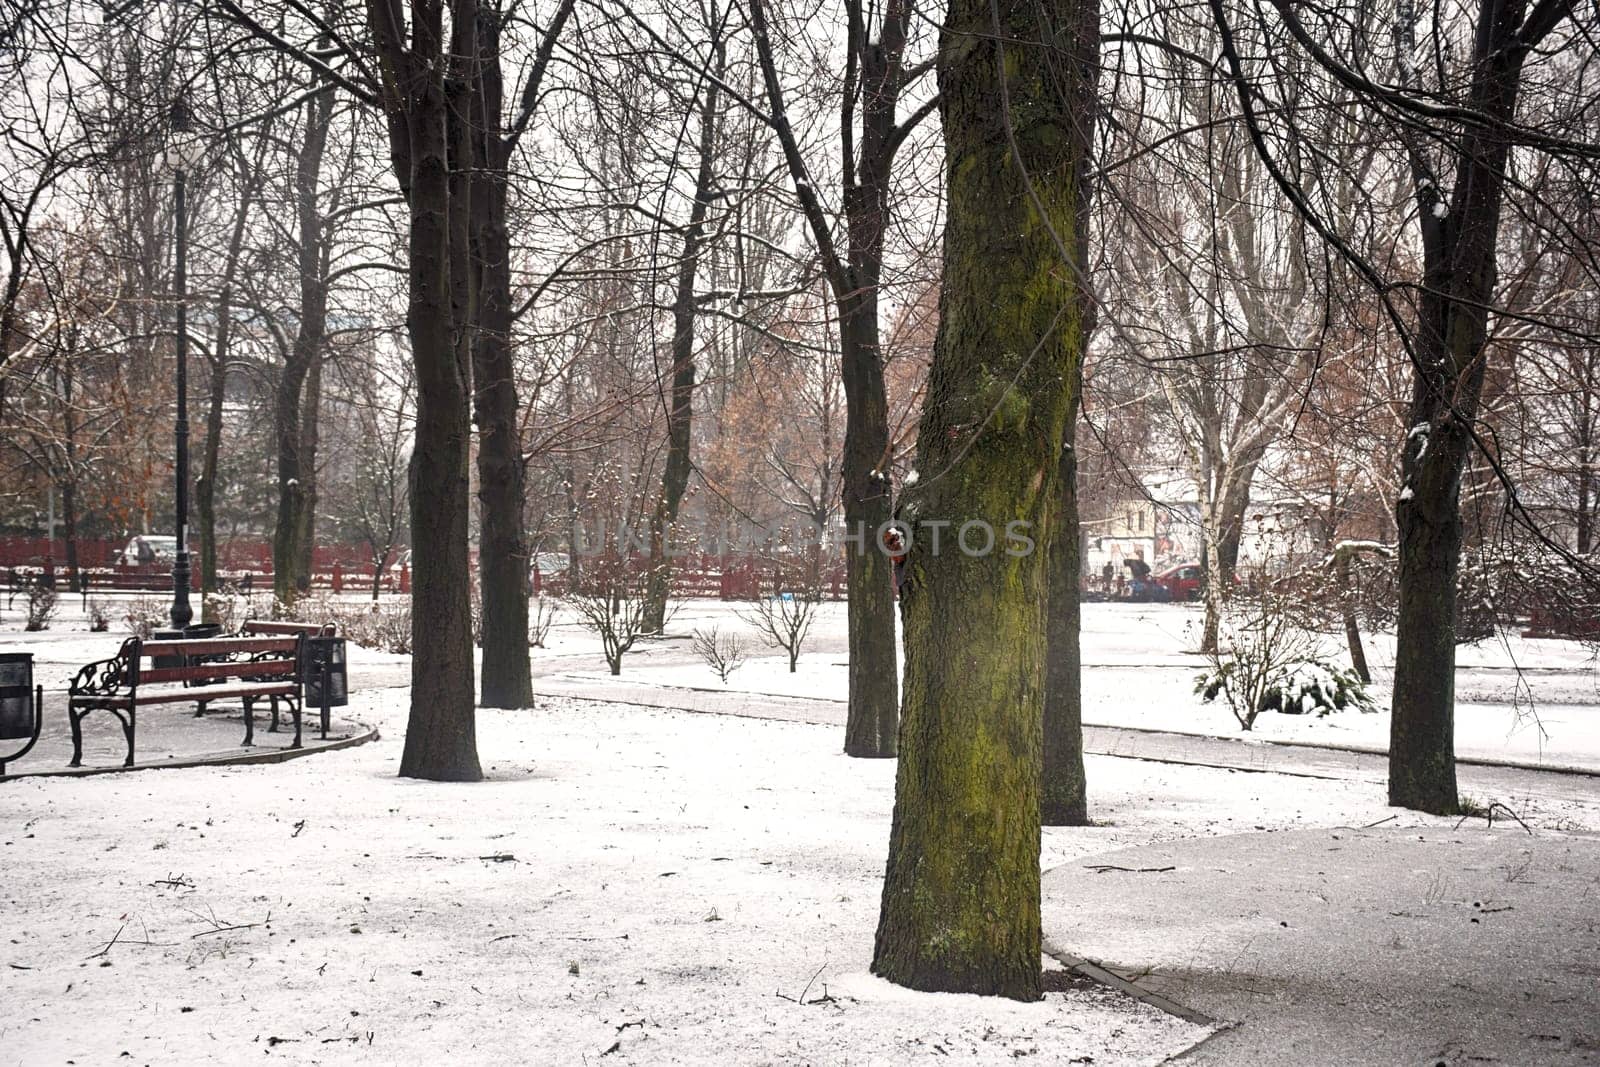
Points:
point(182, 613)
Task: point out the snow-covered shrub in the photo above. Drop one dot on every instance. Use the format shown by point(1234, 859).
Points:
point(1266, 661)
point(99, 618)
point(384, 627)
point(145, 615)
point(226, 611)
point(1314, 687)
point(41, 607)
point(722, 652)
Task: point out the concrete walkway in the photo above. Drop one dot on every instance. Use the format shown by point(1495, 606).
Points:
point(171, 736)
point(1481, 780)
point(1383, 947)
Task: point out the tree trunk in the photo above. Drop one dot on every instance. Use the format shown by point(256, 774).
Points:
point(1459, 242)
point(69, 527)
point(205, 490)
point(1223, 535)
point(680, 398)
point(961, 896)
point(221, 344)
point(1422, 769)
point(441, 735)
point(69, 485)
point(1352, 626)
point(310, 439)
point(287, 551)
point(873, 712)
point(503, 557)
point(1063, 793)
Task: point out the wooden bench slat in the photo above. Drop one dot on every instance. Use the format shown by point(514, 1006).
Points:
point(216, 646)
point(310, 629)
point(194, 694)
point(261, 668)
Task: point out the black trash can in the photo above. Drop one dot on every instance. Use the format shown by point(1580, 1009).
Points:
point(325, 659)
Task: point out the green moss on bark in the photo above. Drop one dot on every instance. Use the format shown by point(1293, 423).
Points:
point(961, 898)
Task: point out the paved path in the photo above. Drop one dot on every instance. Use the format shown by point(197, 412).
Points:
point(1383, 947)
point(1477, 779)
point(170, 736)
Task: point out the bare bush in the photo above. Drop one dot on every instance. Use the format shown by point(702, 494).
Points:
point(541, 616)
point(99, 617)
point(385, 627)
point(145, 615)
point(611, 605)
point(41, 607)
point(782, 621)
point(722, 652)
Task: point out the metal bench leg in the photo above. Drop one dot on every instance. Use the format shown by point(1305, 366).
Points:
point(200, 709)
point(274, 727)
point(129, 721)
point(75, 717)
point(249, 722)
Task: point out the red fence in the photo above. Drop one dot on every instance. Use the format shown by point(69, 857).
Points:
point(736, 576)
point(238, 554)
point(344, 568)
point(335, 567)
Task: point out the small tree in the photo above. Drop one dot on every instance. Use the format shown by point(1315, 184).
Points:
point(783, 621)
point(723, 653)
point(611, 605)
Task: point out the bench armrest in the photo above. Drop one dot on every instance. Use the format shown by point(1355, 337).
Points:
point(107, 676)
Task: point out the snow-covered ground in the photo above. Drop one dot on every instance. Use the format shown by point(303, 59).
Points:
point(628, 885)
point(1528, 700)
point(664, 882)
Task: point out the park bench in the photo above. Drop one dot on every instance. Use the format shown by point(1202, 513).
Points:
point(247, 669)
point(264, 628)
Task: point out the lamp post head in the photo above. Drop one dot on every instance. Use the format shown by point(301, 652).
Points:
point(183, 148)
point(179, 120)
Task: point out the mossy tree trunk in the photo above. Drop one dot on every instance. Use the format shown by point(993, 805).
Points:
point(961, 897)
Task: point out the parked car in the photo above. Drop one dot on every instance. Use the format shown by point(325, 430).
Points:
point(1181, 582)
point(149, 550)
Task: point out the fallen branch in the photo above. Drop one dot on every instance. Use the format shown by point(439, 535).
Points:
point(108, 944)
point(224, 929)
point(1488, 815)
point(1102, 868)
